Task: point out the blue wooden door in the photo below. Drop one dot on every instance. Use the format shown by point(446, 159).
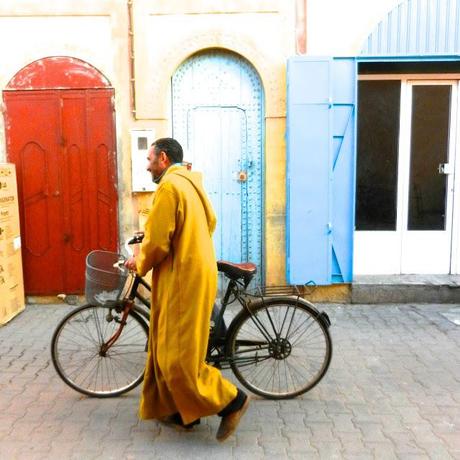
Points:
point(217, 117)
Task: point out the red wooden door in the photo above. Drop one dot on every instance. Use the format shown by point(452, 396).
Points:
point(62, 142)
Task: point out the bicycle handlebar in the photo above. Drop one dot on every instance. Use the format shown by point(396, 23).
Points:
point(135, 239)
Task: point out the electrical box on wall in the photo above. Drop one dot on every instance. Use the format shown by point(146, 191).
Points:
point(141, 140)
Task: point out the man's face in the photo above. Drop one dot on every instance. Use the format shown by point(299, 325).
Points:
point(156, 163)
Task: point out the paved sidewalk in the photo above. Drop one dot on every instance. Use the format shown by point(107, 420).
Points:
point(392, 391)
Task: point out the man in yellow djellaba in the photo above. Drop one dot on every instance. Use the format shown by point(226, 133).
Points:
point(179, 387)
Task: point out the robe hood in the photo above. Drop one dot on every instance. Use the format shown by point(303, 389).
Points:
point(196, 179)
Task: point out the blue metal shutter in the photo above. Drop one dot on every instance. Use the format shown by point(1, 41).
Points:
point(320, 169)
point(308, 167)
point(343, 168)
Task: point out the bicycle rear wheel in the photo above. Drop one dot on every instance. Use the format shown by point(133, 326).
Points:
point(76, 351)
point(281, 350)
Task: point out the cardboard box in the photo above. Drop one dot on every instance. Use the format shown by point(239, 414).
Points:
point(12, 299)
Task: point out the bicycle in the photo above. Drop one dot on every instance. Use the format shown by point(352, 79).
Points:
point(278, 345)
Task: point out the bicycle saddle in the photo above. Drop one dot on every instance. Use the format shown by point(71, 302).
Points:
point(237, 271)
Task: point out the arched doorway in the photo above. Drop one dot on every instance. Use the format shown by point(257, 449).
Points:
point(217, 111)
point(59, 125)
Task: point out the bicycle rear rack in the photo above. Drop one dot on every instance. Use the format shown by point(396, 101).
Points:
point(280, 290)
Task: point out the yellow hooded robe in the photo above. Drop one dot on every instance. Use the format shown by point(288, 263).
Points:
point(179, 248)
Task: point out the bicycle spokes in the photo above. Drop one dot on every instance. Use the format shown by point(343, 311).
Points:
point(83, 358)
point(280, 349)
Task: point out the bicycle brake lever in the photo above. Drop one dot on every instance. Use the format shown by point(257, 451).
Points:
point(119, 264)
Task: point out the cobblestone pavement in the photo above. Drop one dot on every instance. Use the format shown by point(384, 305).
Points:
point(392, 391)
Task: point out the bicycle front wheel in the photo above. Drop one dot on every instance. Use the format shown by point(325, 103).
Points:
point(78, 358)
point(281, 349)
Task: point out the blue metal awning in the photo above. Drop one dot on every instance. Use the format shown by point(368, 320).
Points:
point(417, 29)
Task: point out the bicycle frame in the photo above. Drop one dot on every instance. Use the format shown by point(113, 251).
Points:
point(217, 355)
point(216, 340)
point(232, 288)
point(134, 294)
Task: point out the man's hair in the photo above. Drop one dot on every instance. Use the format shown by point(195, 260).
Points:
point(171, 147)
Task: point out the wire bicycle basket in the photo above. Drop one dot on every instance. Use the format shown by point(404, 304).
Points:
point(105, 279)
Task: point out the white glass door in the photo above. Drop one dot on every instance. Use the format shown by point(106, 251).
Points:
point(427, 170)
point(407, 139)
point(377, 242)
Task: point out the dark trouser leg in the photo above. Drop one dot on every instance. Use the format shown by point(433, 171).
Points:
point(235, 404)
point(177, 419)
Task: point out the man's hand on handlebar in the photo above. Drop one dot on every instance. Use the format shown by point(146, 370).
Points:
point(133, 240)
point(131, 263)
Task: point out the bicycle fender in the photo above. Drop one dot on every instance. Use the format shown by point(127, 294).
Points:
point(324, 318)
point(320, 315)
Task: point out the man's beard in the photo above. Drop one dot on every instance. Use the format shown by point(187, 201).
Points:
point(157, 179)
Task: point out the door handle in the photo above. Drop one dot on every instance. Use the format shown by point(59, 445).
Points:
point(445, 168)
point(67, 237)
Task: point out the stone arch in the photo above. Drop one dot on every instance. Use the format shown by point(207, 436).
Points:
point(272, 74)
